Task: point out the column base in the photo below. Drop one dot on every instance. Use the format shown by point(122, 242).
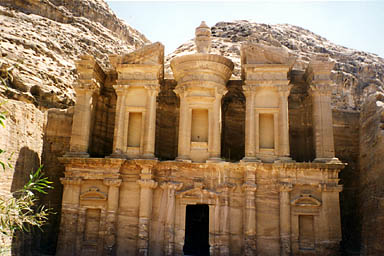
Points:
point(284, 159)
point(76, 154)
point(183, 159)
point(148, 156)
point(214, 160)
point(250, 159)
point(117, 155)
point(327, 160)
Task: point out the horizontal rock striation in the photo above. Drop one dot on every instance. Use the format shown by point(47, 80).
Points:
point(39, 42)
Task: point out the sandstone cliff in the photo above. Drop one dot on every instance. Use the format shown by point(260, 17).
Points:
point(39, 42)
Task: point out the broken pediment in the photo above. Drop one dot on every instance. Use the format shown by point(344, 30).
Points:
point(265, 54)
point(152, 54)
point(306, 200)
point(93, 193)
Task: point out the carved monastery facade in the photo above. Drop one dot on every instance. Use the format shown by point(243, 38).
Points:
point(122, 197)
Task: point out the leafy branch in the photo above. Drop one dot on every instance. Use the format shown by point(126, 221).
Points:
point(21, 211)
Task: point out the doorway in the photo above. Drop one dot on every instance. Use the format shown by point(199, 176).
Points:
point(197, 230)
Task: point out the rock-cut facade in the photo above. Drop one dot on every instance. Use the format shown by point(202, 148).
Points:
point(136, 185)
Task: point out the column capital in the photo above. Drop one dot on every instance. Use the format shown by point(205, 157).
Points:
point(151, 184)
point(249, 187)
point(181, 91)
point(152, 89)
point(112, 182)
point(249, 90)
point(171, 185)
point(285, 187)
point(71, 180)
point(226, 187)
point(284, 90)
point(320, 89)
point(120, 88)
point(221, 91)
point(86, 85)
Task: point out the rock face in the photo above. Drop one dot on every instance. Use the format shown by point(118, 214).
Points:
point(372, 172)
point(39, 43)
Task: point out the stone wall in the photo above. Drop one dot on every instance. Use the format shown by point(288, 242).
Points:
point(57, 134)
point(22, 139)
point(346, 134)
point(66, 11)
point(372, 172)
point(167, 121)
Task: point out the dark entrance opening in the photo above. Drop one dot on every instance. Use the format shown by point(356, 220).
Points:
point(197, 230)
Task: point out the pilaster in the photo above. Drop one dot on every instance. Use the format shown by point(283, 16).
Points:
point(111, 218)
point(121, 122)
point(69, 216)
point(149, 135)
point(250, 129)
point(169, 228)
point(147, 184)
point(184, 126)
point(318, 77)
point(216, 134)
point(285, 219)
point(225, 190)
point(249, 187)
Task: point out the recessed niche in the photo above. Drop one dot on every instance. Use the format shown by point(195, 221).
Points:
point(92, 225)
point(306, 232)
point(266, 131)
point(199, 131)
point(134, 129)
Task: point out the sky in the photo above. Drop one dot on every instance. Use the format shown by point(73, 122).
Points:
point(354, 24)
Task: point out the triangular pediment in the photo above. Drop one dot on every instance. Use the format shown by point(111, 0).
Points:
point(152, 54)
point(264, 54)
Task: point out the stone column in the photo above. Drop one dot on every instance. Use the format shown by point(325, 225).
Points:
point(285, 219)
point(149, 139)
point(111, 219)
point(145, 212)
point(69, 216)
point(283, 122)
point(169, 229)
point(322, 123)
point(184, 116)
point(216, 138)
point(330, 230)
point(249, 188)
point(250, 136)
point(119, 143)
point(81, 134)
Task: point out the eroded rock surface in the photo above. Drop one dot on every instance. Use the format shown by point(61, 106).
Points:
point(39, 42)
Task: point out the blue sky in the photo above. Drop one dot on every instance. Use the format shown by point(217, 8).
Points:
point(354, 24)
